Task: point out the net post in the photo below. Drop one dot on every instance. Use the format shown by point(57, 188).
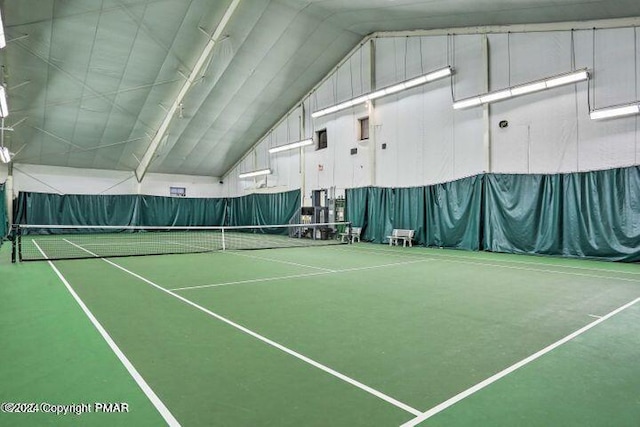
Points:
point(224, 246)
point(17, 244)
point(12, 237)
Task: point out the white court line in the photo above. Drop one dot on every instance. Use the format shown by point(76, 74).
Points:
point(151, 395)
point(266, 340)
point(295, 276)
point(457, 398)
point(281, 261)
point(463, 260)
point(239, 282)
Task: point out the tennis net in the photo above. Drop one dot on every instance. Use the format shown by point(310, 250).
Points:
point(56, 242)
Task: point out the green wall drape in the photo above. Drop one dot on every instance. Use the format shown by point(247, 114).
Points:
point(241, 210)
point(588, 214)
point(263, 209)
point(410, 210)
point(601, 214)
point(277, 208)
point(454, 212)
point(446, 215)
point(76, 209)
point(523, 214)
point(379, 214)
point(4, 224)
point(356, 206)
point(141, 210)
point(161, 211)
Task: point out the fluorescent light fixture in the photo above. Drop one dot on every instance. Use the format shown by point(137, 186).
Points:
point(495, 96)
point(438, 74)
point(3, 41)
point(4, 109)
point(399, 87)
point(360, 100)
point(5, 155)
point(416, 82)
point(378, 94)
point(607, 113)
point(578, 76)
point(291, 146)
point(536, 86)
point(255, 173)
point(528, 88)
point(466, 103)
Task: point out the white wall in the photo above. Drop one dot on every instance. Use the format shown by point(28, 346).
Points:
point(551, 132)
point(429, 142)
point(62, 180)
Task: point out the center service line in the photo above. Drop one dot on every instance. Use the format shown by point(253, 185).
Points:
point(266, 340)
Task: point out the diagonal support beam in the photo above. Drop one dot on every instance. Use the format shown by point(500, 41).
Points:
point(193, 77)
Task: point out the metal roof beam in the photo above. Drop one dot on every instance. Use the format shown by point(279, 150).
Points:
point(194, 76)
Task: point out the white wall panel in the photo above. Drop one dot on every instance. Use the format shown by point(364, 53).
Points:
point(157, 184)
point(62, 180)
point(53, 179)
point(424, 142)
point(429, 142)
point(352, 78)
point(550, 131)
point(470, 70)
point(614, 79)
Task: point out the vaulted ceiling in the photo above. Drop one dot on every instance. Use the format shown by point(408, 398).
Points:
point(91, 81)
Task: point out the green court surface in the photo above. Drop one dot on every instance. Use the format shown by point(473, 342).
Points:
point(349, 335)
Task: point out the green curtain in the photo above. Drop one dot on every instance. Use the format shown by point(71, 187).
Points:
point(523, 213)
point(454, 213)
point(379, 214)
point(241, 210)
point(4, 224)
point(75, 209)
point(278, 208)
point(356, 206)
point(409, 212)
point(161, 211)
point(455, 209)
point(263, 209)
point(254, 209)
point(601, 214)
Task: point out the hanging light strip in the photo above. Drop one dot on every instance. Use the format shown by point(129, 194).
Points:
point(3, 41)
point(255, 173)
point(291, 146)
point(536, 86)
point(617, 111)
point(427, 78)
point(4, 108)
point(5, 155)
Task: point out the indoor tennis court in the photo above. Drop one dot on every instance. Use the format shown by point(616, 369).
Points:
point(358, 334)
point(332, 213)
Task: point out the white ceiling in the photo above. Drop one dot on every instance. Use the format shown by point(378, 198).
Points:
point(89, 81)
